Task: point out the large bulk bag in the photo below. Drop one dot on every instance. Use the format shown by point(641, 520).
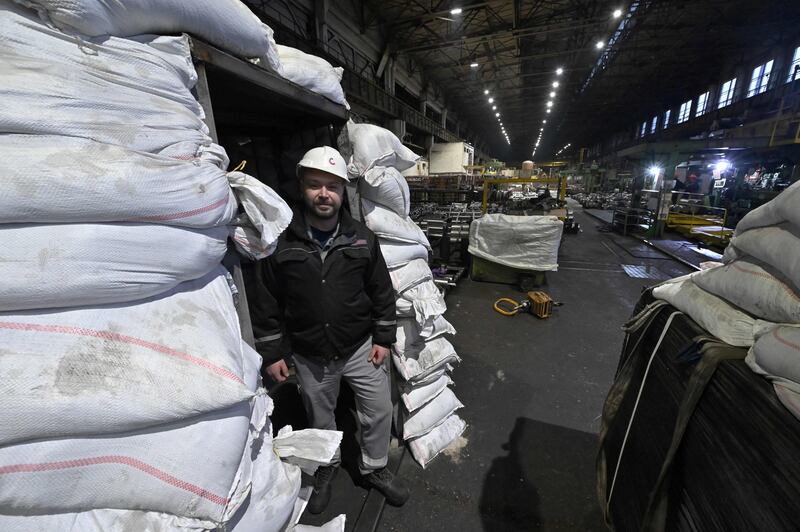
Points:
point(425, 419)
point(375, 146)
point(112, 369)
point(58, 179)
point(386, 186)
point(427, 447)
point(715, 315)
point(388, 225)
point(755, 287)
point(784, 208)
point(227, 24)
point(313, 73)
point(69, 265)
point(524, 242)
point(777, 246)
point(398, 253)
point(134, 92)
point(199, 469)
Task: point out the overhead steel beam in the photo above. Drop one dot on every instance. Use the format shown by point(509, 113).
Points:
point(431, 15)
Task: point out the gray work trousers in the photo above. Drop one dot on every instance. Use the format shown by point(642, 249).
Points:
point(319, 388)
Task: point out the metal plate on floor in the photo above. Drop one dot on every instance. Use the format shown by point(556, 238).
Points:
point(640, 271)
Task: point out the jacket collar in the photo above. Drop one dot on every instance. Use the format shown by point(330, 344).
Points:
point(299, 227)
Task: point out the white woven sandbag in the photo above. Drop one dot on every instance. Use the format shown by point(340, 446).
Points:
point(73, 265)
point(375, 146)
point(227, 24)
point(424, 302)
point(755, 287)
point(57, 179)
point(267, 216)
point(386, 186)
point(428, 378)
point(776, 355)
point(712, 313)
point(336, 524)
point(313, 73)
point(410, 275)
point(423, 359)
point(427, 447)
point(784, 208)
point(112, 369)
point(431, 415)
point(133, 92)
point(388, 225)
point(308, 449)
point(199, 469)
point(415, 397)
point(398, 253)
point(438, 327)
point(777, 246)
point(524, 242)
point(105, 520)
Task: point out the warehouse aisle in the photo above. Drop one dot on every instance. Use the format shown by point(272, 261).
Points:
point(533, 392)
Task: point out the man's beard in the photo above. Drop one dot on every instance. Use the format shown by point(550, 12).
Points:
point(323, 214)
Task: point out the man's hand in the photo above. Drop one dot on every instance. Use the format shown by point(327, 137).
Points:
point(278, 371)
point(378, 354)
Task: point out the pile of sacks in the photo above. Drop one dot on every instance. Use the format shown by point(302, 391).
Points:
point(313, 73)
point(753, 298)
point(128, 399)
point(422, 356)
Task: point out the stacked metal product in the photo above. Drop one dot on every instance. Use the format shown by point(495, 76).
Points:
point(422, 355)
point(753, 299)
point(128, 399)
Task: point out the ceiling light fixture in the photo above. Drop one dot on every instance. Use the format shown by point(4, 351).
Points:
point(559, 71)
point(617, 13)
point(486, 91)
point(548, 110)
point(491, 100)
point(497, 114)
point(599, 45)
point(473, 65)
point(553, 94)
point(494, 108)
point(550, 103)
point(555, 84)
point(456, 11)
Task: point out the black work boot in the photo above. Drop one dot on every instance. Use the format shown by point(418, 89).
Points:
point(393, 488)
point(321, 495)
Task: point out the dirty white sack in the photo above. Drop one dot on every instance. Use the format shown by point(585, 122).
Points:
point(416, 396)
point(390, 226)
point(423, 420)
point(427, 447)
point(70, 265)
point(312, 72)
point(372, 146)
point(134, 93)
point(266, 216)
point(419, 360)
point(410, 335)
point(111, 369)
point(777, 246)
point(227, 24)
point(424, 302)
point(60, 179)
point(399, 253)
point(334, 525)
point(388, 187)
point(410, 275)
point(784, 208)
point(308, 448)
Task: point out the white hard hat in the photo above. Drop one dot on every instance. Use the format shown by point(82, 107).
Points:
point(326, 159)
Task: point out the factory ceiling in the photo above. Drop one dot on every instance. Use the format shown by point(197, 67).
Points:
point(603, 65)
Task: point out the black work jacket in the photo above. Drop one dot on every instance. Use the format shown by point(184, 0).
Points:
point(315, 307)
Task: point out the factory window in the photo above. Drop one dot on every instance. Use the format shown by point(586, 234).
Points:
point(643, 130)
point(760, 79)
point(667, 116)
point(702, 104)
point(686, 109)
point(794, 68)
point(654, 125)
point(726, 94)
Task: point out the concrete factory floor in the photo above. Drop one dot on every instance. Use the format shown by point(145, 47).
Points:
point(533, 392)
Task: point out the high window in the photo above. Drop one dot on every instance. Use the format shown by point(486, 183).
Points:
point(685, 111)
point(654, 125)
point(667, 115)
point(794, 68)
point(726, 94)
point(702, 104)
point(643, 129)
point(760, 79)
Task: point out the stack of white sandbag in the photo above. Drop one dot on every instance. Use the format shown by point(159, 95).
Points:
point(313, 73)
point(753, 299)
point(129, 398)
point(422, 355)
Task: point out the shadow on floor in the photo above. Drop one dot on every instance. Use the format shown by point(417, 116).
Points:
point(541, 483)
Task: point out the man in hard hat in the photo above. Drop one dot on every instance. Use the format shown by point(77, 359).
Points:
point(324, 298)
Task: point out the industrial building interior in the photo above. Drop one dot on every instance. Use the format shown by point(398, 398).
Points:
point(605, 197)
